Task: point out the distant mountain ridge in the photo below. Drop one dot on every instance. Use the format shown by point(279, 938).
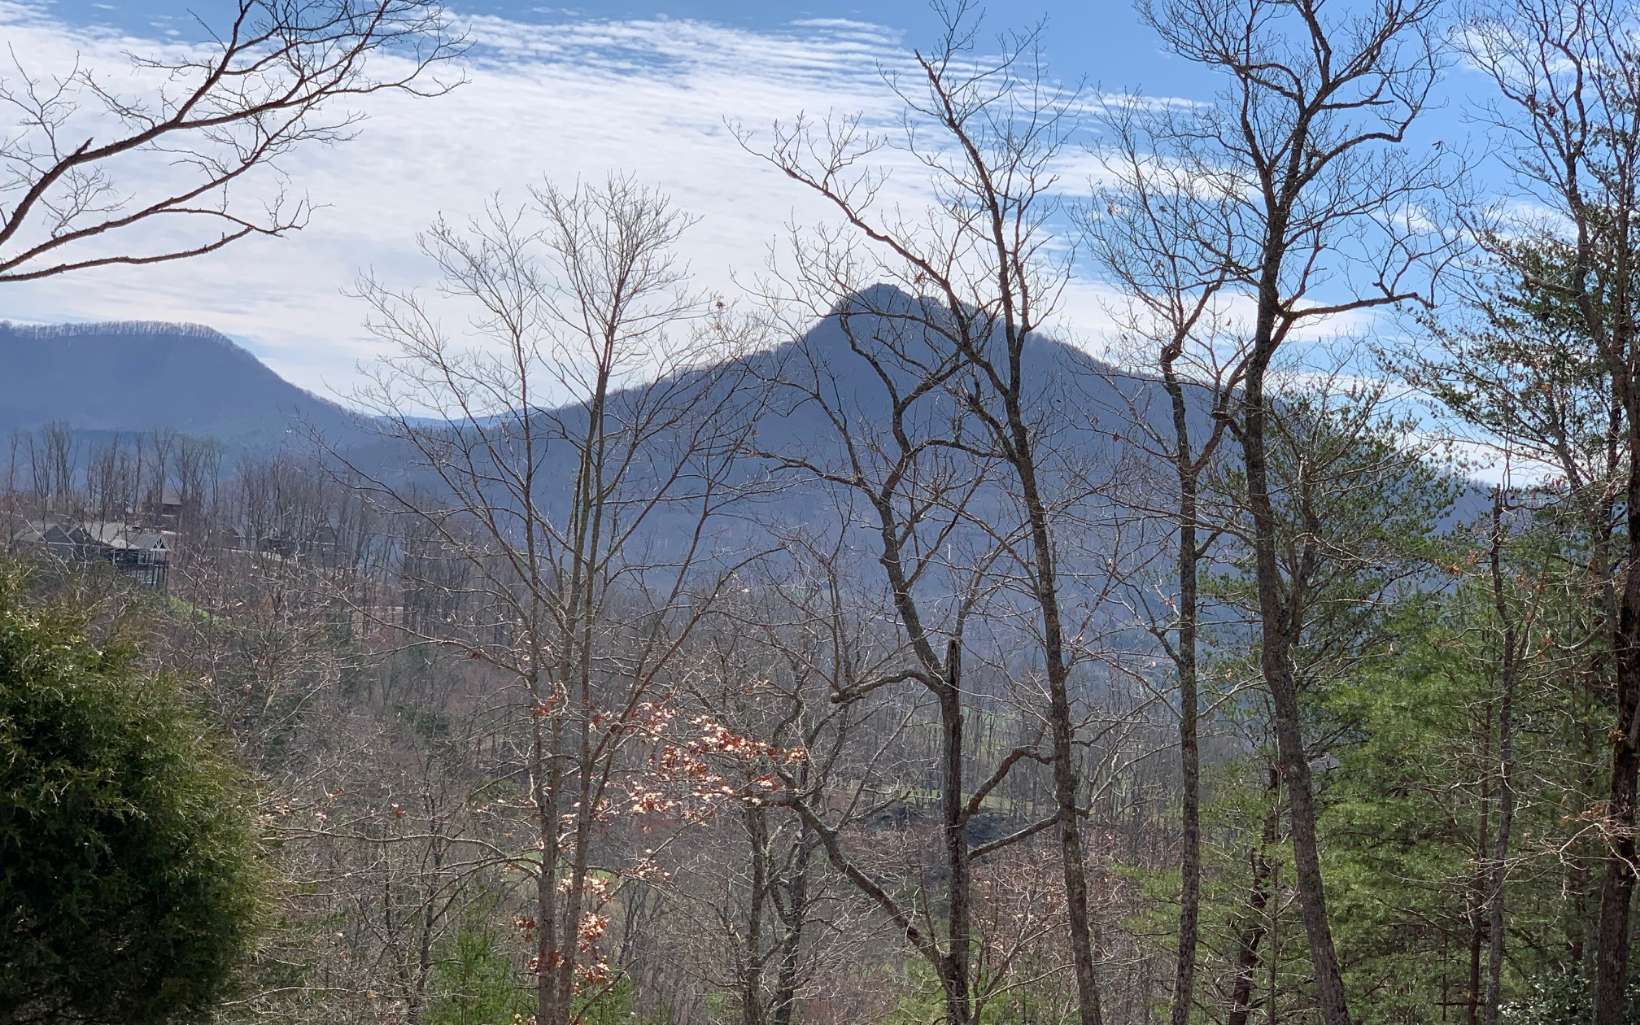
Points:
point(134, 376)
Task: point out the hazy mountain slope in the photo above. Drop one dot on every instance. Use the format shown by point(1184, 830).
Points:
point(140, 376)
point(128, 377)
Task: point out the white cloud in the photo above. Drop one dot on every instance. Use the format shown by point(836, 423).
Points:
point(563, 98)
point(566, 97)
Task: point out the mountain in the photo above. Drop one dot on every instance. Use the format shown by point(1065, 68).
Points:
point(878, 331)
point(141, 376)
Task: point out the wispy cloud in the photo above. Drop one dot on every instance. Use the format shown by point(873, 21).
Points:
point(563, 97)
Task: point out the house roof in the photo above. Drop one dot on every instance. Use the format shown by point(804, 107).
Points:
point(109, 533)
point(122, 535)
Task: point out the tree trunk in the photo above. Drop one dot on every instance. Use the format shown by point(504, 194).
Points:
point(1190, 855)
point(1275, 661)
point(1506, 768)
point(1258, 899)
point(1068, 824)
point(1617, 890)
point(1478, 886)
point(750, 968)
point(784, 1005)
point(548, 781)
point(959, 1002)
point(1500, 855)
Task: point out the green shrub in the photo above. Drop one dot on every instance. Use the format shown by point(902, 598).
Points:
point(1564, 998)
point(127, 866)
point(475, 983)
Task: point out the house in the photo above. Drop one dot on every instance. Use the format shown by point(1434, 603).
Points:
point(138, 552)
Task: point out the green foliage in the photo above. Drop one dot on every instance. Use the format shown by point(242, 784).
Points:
point(611, 1006)
point(129, 882)
point(1409, 790)
point(1563, 998)
point(1411, 794)
point(476, 983)
point(921, 1002)
point(430, 725)
point(1400, 816)
point(1515, 359)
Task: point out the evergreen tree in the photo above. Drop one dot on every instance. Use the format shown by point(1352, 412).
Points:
point(127, 867)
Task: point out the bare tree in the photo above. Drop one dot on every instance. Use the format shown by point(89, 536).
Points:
point(886, 439)
point(774, 925)
point(1150, 230)
point(1568, 81)
point(983, 277)
point(1329, 216)
point(582, 508)
point(88, 162)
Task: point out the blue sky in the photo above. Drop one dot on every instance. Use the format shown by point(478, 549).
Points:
point(1102, 38)
point(559, 92)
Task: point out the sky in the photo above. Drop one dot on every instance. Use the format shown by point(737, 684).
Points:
point(562, 93)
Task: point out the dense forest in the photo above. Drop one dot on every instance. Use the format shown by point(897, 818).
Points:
point(854, 649)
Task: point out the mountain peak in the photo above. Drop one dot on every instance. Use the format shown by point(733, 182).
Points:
point(133, 376)
point(882, 297)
